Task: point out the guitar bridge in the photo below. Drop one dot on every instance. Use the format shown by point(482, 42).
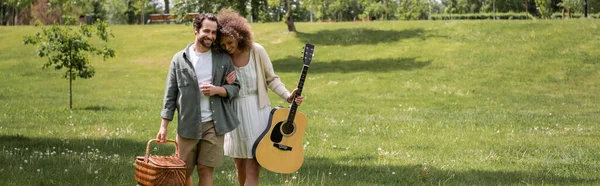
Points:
point(282, 147)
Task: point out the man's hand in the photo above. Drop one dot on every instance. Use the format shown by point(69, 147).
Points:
point(211, 90)
point(162, 132)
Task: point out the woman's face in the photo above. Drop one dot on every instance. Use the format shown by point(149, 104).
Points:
point(229, 44)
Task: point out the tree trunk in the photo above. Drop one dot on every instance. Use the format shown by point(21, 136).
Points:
point(166, 6)
point(15, 16)
point(289, 17)
point(70, 88)
point(255, 6)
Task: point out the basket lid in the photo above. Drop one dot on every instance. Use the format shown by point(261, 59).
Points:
point(166, 161)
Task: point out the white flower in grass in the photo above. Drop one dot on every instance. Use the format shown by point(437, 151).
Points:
point(25, 161)
point(293, 177)
point(96, 172)
point(329, 173)
point(39, 170)
point(379, 149)
point(20, 168)
point(344, 174)
point(393, 172)
point(66, 170)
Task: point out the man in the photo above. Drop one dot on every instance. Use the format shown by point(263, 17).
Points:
point(196, 87)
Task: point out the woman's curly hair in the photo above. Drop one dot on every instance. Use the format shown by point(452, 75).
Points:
point(235, 26)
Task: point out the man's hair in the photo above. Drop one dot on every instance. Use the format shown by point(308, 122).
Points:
point(237, 27)
point(200, 18)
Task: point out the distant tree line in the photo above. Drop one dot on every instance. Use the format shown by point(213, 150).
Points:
point(20, 12)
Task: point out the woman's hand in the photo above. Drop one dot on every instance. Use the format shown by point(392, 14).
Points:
point(298, 99)
point(230, 77)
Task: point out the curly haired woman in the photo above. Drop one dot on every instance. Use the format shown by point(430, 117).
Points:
point(255, 72)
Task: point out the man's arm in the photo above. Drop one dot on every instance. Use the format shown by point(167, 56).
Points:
point(171, 92)
point(169, 102)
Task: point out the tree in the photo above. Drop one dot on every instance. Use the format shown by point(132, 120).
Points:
point(14, 9)
point(289, 16)
point(65, 48)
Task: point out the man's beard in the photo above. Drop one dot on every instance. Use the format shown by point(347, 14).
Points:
point(205, 42)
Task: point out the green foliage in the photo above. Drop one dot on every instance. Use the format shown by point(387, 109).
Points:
point(544, 8)
point(574, 5)
point(414, 9)
point(504, 16)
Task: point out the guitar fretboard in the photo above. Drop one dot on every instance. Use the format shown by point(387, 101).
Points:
point(294, 106)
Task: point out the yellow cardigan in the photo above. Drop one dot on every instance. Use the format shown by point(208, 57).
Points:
point(265, 77)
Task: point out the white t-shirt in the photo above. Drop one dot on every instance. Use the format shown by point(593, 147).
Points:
point(202, 63)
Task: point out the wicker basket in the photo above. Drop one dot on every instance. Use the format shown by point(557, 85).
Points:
point(160, 170)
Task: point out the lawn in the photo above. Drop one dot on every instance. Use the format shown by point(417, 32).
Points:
point(388, 103)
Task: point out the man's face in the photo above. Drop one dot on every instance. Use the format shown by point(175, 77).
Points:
point(207, 34)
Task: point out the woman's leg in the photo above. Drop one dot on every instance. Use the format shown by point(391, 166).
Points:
point(252, 172)
point(240, 166)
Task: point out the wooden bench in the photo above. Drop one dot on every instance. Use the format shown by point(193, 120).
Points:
point(167, 18)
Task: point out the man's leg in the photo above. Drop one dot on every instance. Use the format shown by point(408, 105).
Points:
point(206, 175)
point(210, 154)
point(188, 150)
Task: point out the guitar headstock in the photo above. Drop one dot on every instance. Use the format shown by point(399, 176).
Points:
point(308, 53)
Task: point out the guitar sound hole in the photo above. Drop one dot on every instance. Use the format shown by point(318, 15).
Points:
point(287, 128)
point(276, 136)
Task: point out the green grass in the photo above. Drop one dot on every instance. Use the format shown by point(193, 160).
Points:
point(389, 103)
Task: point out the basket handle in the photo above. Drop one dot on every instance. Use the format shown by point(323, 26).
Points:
point(158, 141)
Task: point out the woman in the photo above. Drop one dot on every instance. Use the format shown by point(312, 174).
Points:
point(255, 72)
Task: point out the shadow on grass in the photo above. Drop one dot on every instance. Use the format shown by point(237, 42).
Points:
point(56, 161)
point(96, 108)
point(359, 36)
point(294, 64)
point(332, 173)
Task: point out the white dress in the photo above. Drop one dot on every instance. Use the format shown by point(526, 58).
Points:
point(238, 143)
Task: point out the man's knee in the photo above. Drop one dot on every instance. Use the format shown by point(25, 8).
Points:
point(205, 170)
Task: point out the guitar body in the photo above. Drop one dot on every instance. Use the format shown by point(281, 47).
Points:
point(279, 148)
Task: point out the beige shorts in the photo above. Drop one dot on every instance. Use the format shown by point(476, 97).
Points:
point(207, 151)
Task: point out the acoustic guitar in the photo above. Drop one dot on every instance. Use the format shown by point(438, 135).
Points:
point(279, 148)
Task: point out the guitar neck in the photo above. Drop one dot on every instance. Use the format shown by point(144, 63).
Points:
point(294, 106)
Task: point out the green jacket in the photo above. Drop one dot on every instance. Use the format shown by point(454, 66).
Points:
point(182, 93)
